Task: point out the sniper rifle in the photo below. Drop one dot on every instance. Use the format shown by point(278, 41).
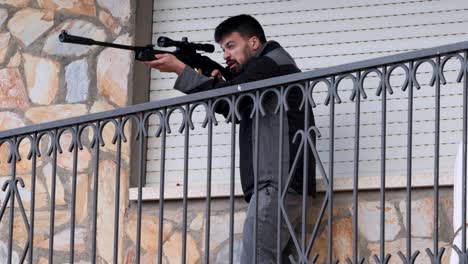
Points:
point(185, 52)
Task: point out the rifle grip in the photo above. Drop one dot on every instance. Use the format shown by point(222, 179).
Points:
point(144, 56)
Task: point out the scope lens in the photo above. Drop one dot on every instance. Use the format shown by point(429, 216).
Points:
point(165, 42)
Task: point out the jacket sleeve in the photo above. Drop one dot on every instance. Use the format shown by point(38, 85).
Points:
point(189, 81)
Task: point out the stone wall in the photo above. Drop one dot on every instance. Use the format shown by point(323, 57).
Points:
point(41, 80)
point(369, 228)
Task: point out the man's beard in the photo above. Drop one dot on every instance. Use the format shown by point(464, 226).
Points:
point(240, 67)
point(236, 68)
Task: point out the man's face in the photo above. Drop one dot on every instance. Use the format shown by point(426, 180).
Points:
point(238, 50)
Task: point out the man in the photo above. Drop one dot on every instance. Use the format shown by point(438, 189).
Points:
point(251, 58)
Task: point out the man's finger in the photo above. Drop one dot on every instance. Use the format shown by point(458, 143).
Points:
point(160, 56)
point(154, 63)
point(215, 73)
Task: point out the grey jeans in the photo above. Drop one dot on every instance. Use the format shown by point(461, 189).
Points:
point(267, 220)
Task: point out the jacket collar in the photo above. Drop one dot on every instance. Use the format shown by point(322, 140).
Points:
point(267, 47)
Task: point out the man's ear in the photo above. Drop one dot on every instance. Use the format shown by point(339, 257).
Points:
point(255, 43)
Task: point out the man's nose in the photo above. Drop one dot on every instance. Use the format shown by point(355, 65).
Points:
point(226, 55)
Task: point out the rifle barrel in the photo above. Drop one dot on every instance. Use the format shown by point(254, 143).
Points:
point(67, 38)
point(117, 46)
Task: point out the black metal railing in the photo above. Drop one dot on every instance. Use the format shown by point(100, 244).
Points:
point(44, 140)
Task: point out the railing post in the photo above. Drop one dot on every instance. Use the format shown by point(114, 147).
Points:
point(357, 124)
point(331, 157)
point(118, 136)
point(141, 139)
point(280, 173)
point(208, 184)
point(161, 184)
point(464, 155)
point(185, 194)
point(75, 139)
point(55, 144)
point(232, 181)
point(97, 143)
point(12, 191)
point(436, 162)
point(383, 259)
point(34, 152)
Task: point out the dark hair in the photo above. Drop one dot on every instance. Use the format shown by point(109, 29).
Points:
point(243, 24)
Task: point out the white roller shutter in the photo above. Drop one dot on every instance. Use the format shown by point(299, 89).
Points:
point(320, 34)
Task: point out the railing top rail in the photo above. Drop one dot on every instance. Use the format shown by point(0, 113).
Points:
point(315, 74)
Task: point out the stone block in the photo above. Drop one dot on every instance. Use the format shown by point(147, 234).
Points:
point(130, 256)
point(82, 193)
point(369, 220)
point(422, 211)
point(101, 106)
point(4, 252)
point(110, 22)
point(342, 244)
point(223, 255)
point(16, 3)
point(10, 120)
point(42, 79)
point(27, 25)
point(106, 208)
point(41, 198)
point(4, 45)
point(42, 225)
point(15, 60)
point(75, 27)
point(219, 228)
point(3, 15)
point(149, 231)
point(198, 222)
point(79, 7)
point(113, 68)
point(118, 8)
point(77, 79)
point(55, 112)
point(65, 160)
point(62, 240)
point(59, 189)
point(12, 91)
point(173, 248)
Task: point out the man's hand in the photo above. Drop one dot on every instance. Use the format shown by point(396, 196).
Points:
point(166, 63)
point(216, 74)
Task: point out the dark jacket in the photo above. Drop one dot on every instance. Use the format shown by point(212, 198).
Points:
point(270, 61)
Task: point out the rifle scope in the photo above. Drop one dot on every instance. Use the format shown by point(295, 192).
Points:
point(185, 45)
